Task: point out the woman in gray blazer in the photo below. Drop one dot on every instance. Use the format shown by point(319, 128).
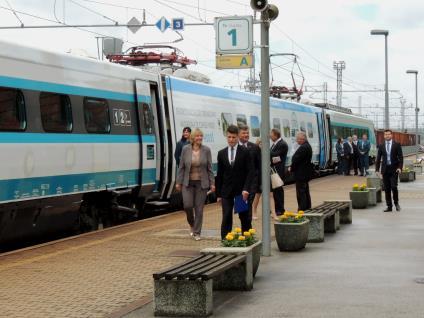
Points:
point(195, 178)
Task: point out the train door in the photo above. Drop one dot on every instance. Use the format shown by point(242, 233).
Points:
point(328, 140)
point(149, 172)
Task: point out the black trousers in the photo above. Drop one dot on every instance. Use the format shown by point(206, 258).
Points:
point(303, 195)
point(227, 217)
point(390, 180)
point(278, 194)
point(355, 160)
point(347, 164)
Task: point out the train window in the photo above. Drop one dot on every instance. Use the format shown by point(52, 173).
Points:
point(255, 126)
point(12, 109)
point(241, 120)
point(294, 124)
point(286, 128)
point(276, 124)
point(148, 124)
point(96, 115)
point(56, 113)
point(227, 120)
point(310, 131)
point(302, 126)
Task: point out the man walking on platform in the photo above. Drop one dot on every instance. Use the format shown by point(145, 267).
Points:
point(255, 156)
point(390, 158)
point(348, 156)
point(364, 147)
point(278, 152)
point(301, 167)
point(234, 178)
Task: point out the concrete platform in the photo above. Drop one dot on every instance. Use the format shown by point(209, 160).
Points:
point(367, 267)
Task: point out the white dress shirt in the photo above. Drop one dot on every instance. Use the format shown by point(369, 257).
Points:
point(275, 142)
point(229, 153)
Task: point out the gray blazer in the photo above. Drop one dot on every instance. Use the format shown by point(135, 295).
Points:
point(207, 178)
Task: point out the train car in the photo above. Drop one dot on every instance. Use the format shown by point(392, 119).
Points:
point(78, 141)
point(343, 125)
point(84, 142)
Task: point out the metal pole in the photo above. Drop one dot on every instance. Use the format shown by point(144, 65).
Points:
point(265, 165)
point(416, 114)
point(386, 88)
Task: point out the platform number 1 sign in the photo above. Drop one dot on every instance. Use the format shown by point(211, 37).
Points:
point(234, 35)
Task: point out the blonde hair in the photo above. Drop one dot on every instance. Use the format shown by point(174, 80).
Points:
point(195, 133)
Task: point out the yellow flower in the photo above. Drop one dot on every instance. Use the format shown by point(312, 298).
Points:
point(246, 234)
point(233, 233)
point(237, 229)
point(286, 213)
point(300, 212)
point(241, 238)
point(252, 231)
point(229, 237)
point(298, 216)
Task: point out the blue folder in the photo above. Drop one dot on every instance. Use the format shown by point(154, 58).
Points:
point(240, 205)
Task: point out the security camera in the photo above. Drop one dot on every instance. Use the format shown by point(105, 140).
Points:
point(259, 5)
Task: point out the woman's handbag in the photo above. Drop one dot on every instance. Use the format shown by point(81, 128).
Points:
point(276, 181)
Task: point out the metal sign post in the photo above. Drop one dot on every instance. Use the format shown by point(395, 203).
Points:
point(265, 128)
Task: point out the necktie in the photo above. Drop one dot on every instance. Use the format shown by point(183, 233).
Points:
point(389, 162)
point(232, 155)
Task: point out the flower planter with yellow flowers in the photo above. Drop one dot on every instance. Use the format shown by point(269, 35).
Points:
point(359, 196)
point(240, 244)
point(291, 232)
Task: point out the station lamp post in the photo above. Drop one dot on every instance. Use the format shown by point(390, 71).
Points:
point(416, 107)
point(386, 86)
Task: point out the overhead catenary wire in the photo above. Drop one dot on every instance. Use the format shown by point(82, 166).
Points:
point(14, 13)
point(94, 12)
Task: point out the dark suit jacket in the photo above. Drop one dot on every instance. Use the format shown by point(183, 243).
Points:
point(396, 157)
point(355, 149)
point(232, 180)
point(347, 150)
point(301, 165)
point(255, 156)
point(207, 178)
point(280, 150)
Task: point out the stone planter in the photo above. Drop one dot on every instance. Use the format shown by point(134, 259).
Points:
point(291, 236)
point(418, 169)
point(372, 196)
point(407, 176)
point(254, 250)
point(359, 199)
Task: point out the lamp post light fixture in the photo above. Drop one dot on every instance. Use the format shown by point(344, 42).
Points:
point(386, 86)
point(416, 107)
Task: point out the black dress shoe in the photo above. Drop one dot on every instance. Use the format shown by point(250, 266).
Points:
point(397, 207)
point(388, 210)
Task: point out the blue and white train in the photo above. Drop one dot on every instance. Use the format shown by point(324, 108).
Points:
point(83, 141)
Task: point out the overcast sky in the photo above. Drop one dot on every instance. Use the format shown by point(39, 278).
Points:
point(319, 32)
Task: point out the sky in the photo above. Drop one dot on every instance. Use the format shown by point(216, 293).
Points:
point(318, 32)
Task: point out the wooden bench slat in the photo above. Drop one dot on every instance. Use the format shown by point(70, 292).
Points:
point(222, 268)
point(228, 260)
point(190, 262)
point(179, 273)
point(192, 271)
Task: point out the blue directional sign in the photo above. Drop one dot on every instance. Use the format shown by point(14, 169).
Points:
point(163, 24)
point(178, 24)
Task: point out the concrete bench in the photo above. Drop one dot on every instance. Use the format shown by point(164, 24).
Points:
point(326, 218)
point(375, 182)
point(186, 289)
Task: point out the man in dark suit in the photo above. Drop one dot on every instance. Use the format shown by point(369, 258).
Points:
point(390, 158)
point(255, 156)
point(234, 177)
point(301, 167)
point(278, 153)
point(348, 156)
point(355, 157)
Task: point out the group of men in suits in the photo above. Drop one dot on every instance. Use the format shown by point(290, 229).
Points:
point(239, 173)
point(355, 153)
